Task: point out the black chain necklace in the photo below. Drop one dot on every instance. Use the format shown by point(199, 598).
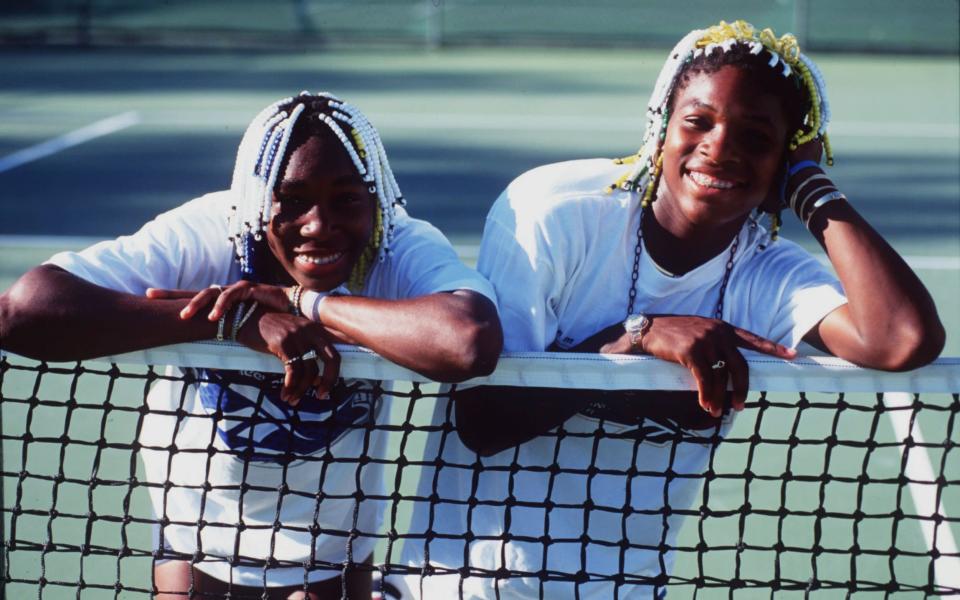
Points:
point(635, 276)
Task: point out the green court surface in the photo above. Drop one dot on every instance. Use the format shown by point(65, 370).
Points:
point(458, 126)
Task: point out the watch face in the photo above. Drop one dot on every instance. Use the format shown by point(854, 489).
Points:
point(635, 323)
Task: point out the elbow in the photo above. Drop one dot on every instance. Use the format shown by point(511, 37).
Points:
point(912, 347)
point(30, 318)
point(15, 325)
point(477, 351)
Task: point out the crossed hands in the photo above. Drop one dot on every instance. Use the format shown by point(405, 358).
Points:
point(305, 348)
point(707, 347)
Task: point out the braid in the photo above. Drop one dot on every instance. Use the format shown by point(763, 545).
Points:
point(783, 69)
point(263, 152)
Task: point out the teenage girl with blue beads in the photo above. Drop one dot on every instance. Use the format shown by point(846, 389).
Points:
point(310, 246)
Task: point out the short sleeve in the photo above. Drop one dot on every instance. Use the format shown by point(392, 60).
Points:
point(185, 248)
point(514, 258)
point(801, 290)
point(423, 262)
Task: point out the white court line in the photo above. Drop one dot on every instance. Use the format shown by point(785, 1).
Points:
point(68, 140)
point(480, 121)
point(923, 490)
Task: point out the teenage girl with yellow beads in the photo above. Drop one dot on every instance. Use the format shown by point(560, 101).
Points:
point(663, 253)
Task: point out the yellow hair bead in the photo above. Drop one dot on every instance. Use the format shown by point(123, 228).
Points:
point(358, 275)
point(621, 182)
point(652, 185)
point(785, 54)
point(627, 160)
point(827, 150)
point(358, 140)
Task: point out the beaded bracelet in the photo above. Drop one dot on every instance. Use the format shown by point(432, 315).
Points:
point(295, 300)
point(220, 325)
point(244, 319)
point(236, 320)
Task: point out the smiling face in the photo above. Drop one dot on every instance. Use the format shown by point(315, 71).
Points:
point(323, 214)
point(723, 151)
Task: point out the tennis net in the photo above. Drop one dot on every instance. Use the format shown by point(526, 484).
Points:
point(833, 480)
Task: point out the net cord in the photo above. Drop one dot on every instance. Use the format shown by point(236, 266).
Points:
point(583, 371)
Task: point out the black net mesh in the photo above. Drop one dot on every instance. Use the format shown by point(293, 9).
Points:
point(815, 492)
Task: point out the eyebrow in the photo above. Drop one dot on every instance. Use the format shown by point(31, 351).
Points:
point(759, 118)
point(294, 184)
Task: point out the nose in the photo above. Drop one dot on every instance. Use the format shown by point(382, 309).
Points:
point(314, 223)
point(720, 146)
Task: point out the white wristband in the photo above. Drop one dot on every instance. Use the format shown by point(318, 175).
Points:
point(310, 304)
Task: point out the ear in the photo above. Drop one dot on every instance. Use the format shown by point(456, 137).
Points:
point(776, 195)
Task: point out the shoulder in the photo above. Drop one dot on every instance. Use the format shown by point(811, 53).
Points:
point(408, 230)
point(780, 258)
point(416, 238)
point(781, 273)
point(209, 210)
point(184, 247)
point(560, 191)
point(421, 261)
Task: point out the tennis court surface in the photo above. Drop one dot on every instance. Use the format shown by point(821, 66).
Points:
point(802, 499)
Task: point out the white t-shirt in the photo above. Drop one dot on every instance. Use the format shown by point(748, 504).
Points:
point(559, 252)
point(189, 248)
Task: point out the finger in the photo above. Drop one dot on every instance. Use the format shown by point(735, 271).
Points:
point(296, 379)
point(163, 294)
point(289, 381)
point(330, 360)
point(200, 300)
point(229, 298)
point(739, 373)
point(703, 385)
point(751, 341)
point(718, 379)
point(270, 297)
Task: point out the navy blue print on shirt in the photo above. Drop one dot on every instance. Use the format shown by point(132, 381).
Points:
point(254, 422)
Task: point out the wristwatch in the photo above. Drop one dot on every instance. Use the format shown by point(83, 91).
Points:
point(637, 326)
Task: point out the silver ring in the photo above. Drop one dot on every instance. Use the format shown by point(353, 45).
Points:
point(308, 355)
point(718, 365)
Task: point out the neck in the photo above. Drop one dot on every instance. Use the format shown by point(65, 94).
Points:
point(680, 246)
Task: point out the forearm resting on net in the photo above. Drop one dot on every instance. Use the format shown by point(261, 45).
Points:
point(50, 314)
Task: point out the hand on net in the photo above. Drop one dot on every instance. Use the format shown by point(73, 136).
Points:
point(709, 349)
point(306, 351)
point(224, 297)
point(304, 348)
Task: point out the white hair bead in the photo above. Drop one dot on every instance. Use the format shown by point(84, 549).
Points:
point(262, 152)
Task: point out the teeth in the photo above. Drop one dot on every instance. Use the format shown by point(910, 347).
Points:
point(319, 260)
point(711, 182)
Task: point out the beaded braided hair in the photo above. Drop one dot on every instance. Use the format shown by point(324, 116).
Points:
point(262, 155)
point(800, 84)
